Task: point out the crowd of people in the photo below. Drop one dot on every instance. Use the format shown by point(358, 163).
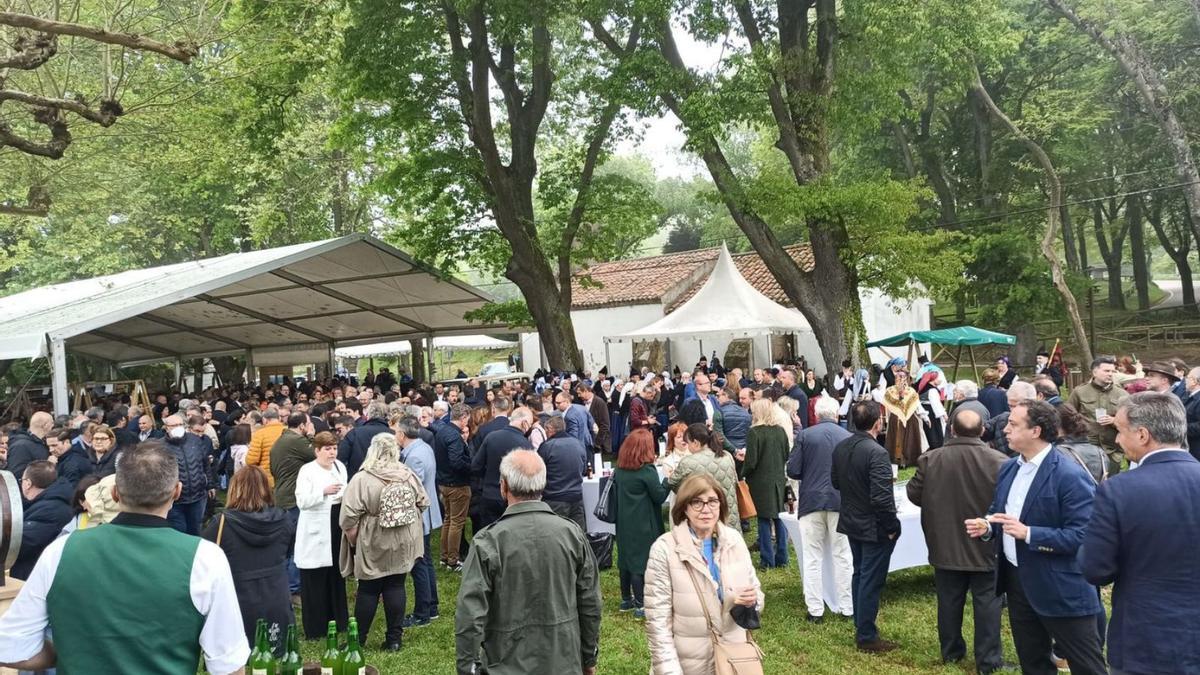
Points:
point(325, 481)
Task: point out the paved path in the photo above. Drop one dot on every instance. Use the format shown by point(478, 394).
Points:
point(1174, 290)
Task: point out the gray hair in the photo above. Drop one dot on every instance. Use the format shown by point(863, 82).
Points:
point(827, 408)
point(413, 410)
point(1161, 414)
point(270, 414)
point(377, 410)
point(515, 472)
point(555, 425)
point(789, 404)
point(968, 388)
point(409, 426)
point(1021, 391)
point(441, 408)
point(147, 475)
point(383, 453)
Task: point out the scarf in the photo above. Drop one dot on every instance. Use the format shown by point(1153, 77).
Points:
point(903, 407)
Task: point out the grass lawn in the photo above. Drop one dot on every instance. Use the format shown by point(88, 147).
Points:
point(908, 616)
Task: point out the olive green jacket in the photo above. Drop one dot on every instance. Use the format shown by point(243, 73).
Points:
point(551, 626)
point(1086, 398)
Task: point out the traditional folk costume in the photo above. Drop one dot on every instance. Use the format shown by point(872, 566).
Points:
point(904, 435)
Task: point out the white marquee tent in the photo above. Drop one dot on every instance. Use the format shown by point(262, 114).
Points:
point(755, 313)
point(280, 306)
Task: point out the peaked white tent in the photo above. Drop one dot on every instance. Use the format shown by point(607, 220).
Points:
point(726, 306)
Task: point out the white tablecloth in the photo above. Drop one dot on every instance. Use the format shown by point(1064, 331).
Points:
point(910, 550)
point(591, 496)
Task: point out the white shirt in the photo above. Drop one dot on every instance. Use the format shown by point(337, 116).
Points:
point(1016, 497)
point(1134, 465)
point(222, 640)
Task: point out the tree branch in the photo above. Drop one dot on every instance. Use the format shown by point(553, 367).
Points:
point(106, 116)
point(31, 53)
point(60, 136)
point(180, 51)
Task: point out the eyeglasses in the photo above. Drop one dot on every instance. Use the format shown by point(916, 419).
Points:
point(713, 504)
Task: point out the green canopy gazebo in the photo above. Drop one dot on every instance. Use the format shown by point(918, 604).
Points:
point(962, 336)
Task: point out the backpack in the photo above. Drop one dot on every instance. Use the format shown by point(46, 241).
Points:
point(398, 505)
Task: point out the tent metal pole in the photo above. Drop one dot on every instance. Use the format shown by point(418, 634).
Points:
point(58, 375)
point(250, 379)
point(769, 345)
point(608, 358)
point(178, 373)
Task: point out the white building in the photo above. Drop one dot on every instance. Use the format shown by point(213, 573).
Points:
point(616, 298)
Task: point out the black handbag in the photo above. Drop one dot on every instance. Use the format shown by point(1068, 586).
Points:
point(606, 506)
point(602, 548)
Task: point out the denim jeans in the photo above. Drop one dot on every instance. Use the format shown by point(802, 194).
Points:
point(187, 518)
point(425, 585)
point(777, 555)
point(871, 560)
point(293, 573)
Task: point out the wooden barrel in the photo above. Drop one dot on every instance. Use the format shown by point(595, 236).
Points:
point(11, 519)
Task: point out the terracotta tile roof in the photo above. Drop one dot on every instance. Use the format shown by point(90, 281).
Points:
point(671, 278)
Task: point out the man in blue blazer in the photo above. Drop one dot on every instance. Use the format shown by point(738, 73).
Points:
point(1037, 519)
point(1144, 538)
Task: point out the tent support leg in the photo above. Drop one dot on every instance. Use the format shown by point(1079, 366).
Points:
point(178, 373)
point(608, 359)
point(58, 375)
point(769, 339)
point(332, 362)
point(429, 355)
point(957, 362)
point(974, 366)
point(250, 366)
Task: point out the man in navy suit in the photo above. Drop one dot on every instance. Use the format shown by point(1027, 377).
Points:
point(1038, 518)
point(1144, 538)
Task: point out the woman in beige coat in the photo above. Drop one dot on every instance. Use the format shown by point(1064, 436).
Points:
point(383, 535)
point(700, 552)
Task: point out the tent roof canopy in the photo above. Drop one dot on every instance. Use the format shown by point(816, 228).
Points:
point(289, 302)
point(725, 288)
point(953, 337)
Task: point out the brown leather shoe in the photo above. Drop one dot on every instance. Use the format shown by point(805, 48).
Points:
point(877, 646)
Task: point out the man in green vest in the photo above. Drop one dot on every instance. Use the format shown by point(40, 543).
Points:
point(133, 596)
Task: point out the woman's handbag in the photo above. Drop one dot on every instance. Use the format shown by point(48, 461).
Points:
point(729, 658)
point(745, 502)
point(606, 505)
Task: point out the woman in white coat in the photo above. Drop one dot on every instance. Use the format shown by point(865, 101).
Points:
point(701, 564)
point(319, 487)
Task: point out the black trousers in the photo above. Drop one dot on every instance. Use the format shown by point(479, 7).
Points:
point(633, 587)
point(571, 511)
point(490, 511)
point(952, 587)
point(322, 599)
point(1075, 638)
point(366, 602)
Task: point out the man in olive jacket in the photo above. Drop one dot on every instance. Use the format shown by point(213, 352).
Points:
point(554, 628)
point(954, 483)
point(291, 451)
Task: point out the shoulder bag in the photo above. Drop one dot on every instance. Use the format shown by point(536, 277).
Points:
point(729, 658)
point(745, 503)
point(606, 505)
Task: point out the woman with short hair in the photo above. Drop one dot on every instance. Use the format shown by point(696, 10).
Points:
point(257, 538)
point(640, 495)
point(384, 535)
point(103, 452)
point(239, 445)
point(319, 487)
point(699, 569)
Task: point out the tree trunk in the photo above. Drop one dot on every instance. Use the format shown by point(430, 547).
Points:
point(1111, 254)
point(1137, 251)
point(418, 361)
point(1178, 253)
point(1068, 234)
point(1050, 237)
point(229, 368)
point(1154, 93)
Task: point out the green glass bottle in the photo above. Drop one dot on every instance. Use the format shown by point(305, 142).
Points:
point(331, 660)
point(353, 661)
point(291, 663)
point(262, 662)
point(260, 629)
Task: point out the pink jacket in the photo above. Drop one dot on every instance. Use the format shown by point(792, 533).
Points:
point(676, 630)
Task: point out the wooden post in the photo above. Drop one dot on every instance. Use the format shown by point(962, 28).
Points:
point(957, 362)
point(974, 366)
